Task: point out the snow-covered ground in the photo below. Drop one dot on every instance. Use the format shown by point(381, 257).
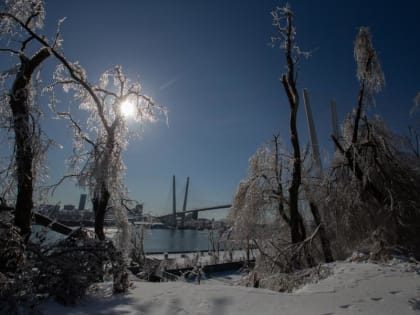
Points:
point(353, 288)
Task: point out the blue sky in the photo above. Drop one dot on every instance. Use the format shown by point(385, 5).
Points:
point(210, 64)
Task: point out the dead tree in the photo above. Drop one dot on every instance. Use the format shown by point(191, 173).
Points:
point(283, 21)
point(371, 80)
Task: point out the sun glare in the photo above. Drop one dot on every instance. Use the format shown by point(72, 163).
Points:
point(127, 108)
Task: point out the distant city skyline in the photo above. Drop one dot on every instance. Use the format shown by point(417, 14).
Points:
point(85, 204)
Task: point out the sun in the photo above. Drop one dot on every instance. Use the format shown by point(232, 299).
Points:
point(127, 108)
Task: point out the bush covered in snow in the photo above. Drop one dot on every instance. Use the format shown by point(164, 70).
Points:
point(64, 270)
point(68, 268)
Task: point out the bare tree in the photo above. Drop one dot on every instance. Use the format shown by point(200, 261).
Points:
point(18, 106)
point(283, 22)
point(270, 184)
point(260, 210)
point(259, 197)
point(371, 79)
point(98, 148)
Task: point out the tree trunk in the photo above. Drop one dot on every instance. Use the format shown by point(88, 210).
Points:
point(357, 171)
point(358, 113)
point(325, 242)
point(24, 159)
point(52, 224)
point(279, 170)
point(100, 204)
point(360, 100)
point(289, 84)
point(23, 126)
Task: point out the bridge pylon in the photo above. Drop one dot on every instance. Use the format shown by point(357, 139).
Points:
point(173, 223)
point(171, 218)
point(184, 206)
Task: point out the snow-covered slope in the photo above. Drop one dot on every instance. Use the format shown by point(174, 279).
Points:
point(353, 288)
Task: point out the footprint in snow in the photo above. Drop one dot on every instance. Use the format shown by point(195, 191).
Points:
point(395, 292)
point(376, 299)
point(345, 306)
point(327, 313)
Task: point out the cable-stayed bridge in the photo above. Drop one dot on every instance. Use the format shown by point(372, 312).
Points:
point(171, 219)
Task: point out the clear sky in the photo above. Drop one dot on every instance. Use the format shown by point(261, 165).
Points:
point(210, 64)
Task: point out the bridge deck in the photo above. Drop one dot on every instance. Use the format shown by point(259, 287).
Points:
point(197, 210)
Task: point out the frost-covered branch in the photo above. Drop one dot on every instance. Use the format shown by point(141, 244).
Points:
point(53, 187)
point(74, 69)
point(261, 199)
point(13, 51)
point(27, 14)
point(369, 74)
point(76, 126)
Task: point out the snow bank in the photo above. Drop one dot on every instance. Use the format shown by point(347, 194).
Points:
point(353, 288)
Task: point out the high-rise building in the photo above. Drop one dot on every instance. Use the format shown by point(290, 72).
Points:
point(82, 202)
point(69, 207)
point(138, 210)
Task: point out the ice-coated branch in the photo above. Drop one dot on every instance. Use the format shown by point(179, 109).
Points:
point(52, 188)
point(76, 126)
point(106, 92)
point(13, 51)
point(57, 38)
point(25, 43)
point(74, 70)
point(30, 13)
point(369, 73)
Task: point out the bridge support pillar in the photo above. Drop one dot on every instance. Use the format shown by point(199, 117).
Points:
point(173, 202)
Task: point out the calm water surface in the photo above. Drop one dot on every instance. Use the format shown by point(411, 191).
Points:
point(158, 240)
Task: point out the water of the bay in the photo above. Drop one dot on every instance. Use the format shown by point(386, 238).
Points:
point(160, 240)
point(157, 240)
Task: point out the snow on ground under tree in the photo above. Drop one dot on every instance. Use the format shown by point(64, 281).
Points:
point(353, 288)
